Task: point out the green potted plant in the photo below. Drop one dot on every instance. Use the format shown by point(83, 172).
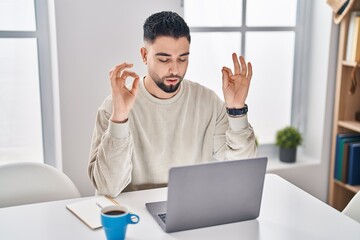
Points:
point(288, 139)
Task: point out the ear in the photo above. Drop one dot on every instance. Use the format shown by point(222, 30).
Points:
point(143, 52)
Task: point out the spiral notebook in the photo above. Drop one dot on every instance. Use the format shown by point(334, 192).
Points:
point(89, 210)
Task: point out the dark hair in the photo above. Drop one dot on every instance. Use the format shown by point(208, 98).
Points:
point(165, 23)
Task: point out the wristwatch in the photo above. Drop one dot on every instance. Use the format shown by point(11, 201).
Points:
point(237, 112)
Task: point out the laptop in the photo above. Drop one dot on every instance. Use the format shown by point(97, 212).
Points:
point(209, 194)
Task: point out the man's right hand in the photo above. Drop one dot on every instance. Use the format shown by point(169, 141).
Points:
point(123, 99)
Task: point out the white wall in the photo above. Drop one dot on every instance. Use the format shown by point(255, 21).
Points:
point(92, 36)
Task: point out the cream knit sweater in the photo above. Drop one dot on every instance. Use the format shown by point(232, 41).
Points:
point(191, 127)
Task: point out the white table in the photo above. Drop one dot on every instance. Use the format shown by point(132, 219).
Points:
point(287, 212)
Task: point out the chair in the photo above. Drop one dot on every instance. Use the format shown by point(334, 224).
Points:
point(25, 183)
point(352, 209)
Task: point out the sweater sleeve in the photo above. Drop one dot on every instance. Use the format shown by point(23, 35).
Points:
point(234, 137)
point(110, 163)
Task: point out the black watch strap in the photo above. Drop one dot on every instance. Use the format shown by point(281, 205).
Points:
point(237, 111)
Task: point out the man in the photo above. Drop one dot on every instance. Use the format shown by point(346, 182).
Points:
point(163, 120)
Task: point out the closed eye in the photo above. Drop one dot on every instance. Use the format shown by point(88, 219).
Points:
point(163, 60)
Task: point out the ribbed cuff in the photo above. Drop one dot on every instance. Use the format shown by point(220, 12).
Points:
point(119, 130)
point(238, 123)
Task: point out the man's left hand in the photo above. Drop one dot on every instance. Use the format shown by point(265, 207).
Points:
point(236, 86)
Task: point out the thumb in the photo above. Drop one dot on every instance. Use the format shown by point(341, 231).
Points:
point(135, 86)
point(225, 77)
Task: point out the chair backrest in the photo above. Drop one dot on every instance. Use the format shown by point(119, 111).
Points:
point(25, 183)
point(352, 209)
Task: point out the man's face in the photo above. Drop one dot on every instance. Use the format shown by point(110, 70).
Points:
point(167, 61)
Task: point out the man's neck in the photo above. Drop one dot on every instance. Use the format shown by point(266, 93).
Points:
point(154, 90)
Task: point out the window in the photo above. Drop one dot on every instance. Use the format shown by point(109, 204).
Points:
point(267, 36)
point(23, 66)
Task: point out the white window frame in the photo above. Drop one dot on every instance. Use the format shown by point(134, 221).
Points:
point(41, 34)
point(300, 75)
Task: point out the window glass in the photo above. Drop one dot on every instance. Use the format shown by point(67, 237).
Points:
point(209, 52)
point(270, 96)
point(271, 13)
point(20, 118)
point(17, 15)
point(209, 13)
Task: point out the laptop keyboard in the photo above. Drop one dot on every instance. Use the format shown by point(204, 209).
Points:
point(162, 216)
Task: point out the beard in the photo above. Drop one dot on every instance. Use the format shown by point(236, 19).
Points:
point(169, 89)
point(160, 82)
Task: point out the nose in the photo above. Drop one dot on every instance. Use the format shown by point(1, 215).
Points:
point(174, 68)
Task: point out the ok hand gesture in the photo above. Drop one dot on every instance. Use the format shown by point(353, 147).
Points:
point(123, 98)
point(236, 86)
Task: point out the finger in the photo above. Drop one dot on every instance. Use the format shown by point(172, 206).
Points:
point(228, 70)
point(250, 71)
point(120, 81)
point(225, 77)
point(122, 66)
point(135, 86)
point(243, 66)
point(125, 74)
point(118, 68)
point(236, 64)
point(226, 74)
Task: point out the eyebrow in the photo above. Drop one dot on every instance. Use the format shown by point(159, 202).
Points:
point(168, 55)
